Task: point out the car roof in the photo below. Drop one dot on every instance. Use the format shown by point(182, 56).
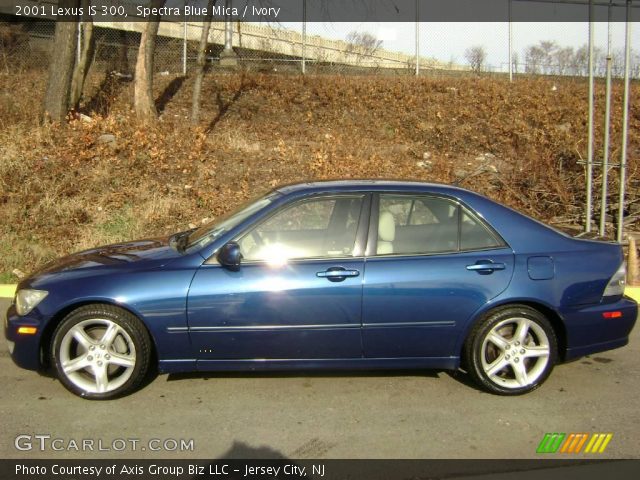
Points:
point(367, 184)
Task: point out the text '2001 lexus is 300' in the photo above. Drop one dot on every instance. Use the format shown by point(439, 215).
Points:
point(329, 275)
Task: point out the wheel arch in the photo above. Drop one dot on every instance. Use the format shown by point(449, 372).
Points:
point(551, 314)
point(52, 324)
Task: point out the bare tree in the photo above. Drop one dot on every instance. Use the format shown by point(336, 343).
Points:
point(86, 57)
point(56, 100)
point(362, 44)
point(562, 60)
point(635, 64)
point(548, 49)
point(533, 59)
point(581, 61)
point(476, 57)
point(200, 63)
point(144, 104)
point(617, 66)
point(515, 58)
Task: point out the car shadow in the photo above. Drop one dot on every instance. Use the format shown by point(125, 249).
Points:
point(464, 378)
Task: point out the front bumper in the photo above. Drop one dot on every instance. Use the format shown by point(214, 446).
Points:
point(24, 349)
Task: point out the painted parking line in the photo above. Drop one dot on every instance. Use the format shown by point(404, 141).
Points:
point(7, 290)
point(633, 292)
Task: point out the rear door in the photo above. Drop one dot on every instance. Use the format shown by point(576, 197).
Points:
point(298, 292)
point(430, 264)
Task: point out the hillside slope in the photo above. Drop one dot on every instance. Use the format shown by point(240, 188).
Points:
point(104, 178)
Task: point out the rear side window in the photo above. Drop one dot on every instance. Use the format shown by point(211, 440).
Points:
point(475, 235)
point(411, 224)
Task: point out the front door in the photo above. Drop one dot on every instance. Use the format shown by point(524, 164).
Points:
point(297, 294)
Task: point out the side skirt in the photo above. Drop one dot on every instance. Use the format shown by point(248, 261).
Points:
point(445, 363)
point(190, 365)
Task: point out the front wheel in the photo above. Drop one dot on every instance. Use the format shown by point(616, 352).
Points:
point(512, 351)
point(101, 352)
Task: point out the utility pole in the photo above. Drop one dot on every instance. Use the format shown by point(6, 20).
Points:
point(228, 57)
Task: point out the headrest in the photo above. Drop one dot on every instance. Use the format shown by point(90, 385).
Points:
point(386, 227)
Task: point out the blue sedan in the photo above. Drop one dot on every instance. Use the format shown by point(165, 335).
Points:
point(329, 275)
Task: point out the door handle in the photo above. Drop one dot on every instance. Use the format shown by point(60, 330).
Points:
point(337, 274)
point(485, 267)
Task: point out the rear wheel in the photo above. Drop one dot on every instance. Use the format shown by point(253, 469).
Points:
point(101, 352)
point(512, 351)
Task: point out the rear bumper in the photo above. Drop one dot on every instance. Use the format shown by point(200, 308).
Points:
point(589, 332)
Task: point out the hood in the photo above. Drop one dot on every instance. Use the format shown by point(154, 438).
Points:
point(115, 256)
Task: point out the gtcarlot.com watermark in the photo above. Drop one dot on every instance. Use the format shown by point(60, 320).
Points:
point(49, 443)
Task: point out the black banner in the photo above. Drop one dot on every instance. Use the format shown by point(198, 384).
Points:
point(278, 11)
point(317, 469)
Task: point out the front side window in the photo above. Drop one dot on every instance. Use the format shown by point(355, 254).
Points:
point(323, 227)
point(206, 234)
point(410, 224)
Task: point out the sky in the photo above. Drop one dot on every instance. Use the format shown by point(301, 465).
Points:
point(448, 41)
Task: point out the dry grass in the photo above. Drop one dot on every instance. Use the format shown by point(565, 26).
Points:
point(61, 190)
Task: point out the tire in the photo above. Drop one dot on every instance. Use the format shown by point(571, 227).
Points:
point(101, 352)
point(512, 351)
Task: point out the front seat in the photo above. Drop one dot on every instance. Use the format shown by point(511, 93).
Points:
point(386, 233)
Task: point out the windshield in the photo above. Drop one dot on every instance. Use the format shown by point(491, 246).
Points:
point(207, 233)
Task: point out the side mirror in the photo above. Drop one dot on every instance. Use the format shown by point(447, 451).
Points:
point(229, 256)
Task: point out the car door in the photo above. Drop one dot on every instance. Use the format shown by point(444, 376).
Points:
point(298, 291)
point(431, 263)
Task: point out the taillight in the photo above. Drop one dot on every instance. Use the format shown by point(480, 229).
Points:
point(615, 287)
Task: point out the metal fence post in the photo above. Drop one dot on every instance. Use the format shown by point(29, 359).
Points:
point(184, 44)
point(625, 121)
point(417, 37)
point(590, 128)
point(607, 129)
point(79, 42)
point(510, 45)
point(304, 36)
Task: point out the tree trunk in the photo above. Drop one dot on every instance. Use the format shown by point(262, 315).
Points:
point(86, 58)
point(201, 63)
point(56, 100)
point(144, 104)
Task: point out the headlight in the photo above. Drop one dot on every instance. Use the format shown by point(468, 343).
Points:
point(27, 299)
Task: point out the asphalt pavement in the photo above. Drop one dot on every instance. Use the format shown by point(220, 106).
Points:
point(407, 414)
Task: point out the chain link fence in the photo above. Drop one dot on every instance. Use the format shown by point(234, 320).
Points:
point(257, 47)
point(319, 48)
